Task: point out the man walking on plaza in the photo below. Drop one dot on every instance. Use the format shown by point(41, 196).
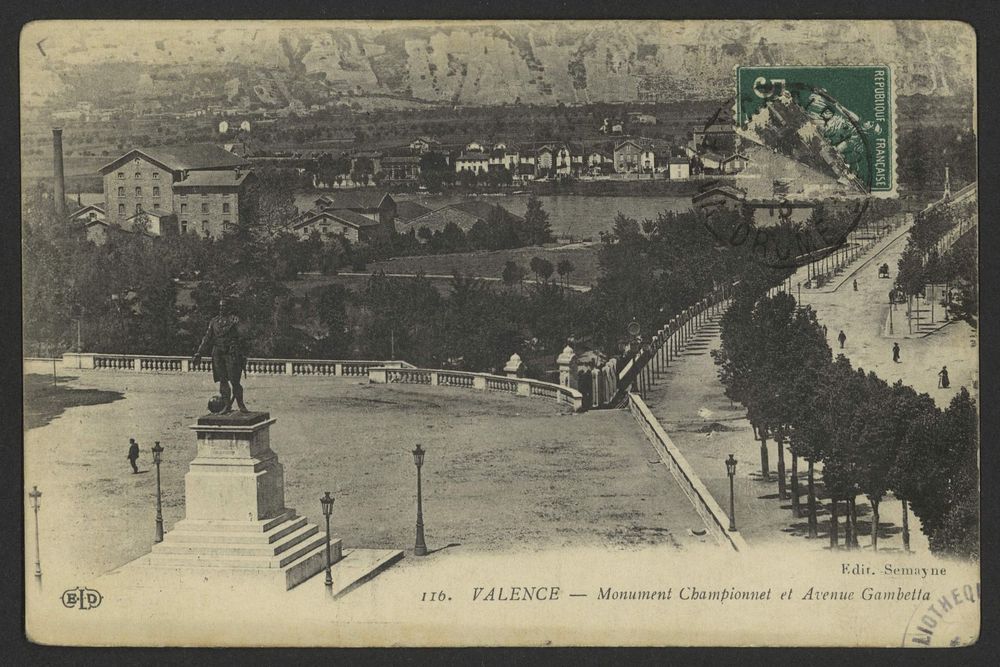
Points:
point(943, 381)
point(133, 454)
point(895, 352)
point(842, 337)
point(855, 285)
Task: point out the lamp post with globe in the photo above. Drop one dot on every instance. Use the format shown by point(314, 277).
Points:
point(327, 502)
point(731, 471)
point(420, 547)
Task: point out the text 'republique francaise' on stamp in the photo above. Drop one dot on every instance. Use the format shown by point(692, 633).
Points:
point(815, 133)
point(819, 146)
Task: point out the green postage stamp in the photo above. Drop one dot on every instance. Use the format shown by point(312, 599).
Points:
point(836, 122)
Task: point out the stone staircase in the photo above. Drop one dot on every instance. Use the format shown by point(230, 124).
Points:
point(286, 548)
point(701, 342)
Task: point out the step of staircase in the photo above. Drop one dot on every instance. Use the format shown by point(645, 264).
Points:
point(252, 527)
point(247, 562)
point(218, 545)
point(185, 533)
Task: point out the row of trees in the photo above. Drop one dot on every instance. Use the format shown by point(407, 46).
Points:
point(498, 231)
point(869, 437)
point(931, 147)
point(654, 269)
point(920, 264)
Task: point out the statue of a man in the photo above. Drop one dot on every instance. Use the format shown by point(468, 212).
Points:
point(225, 340)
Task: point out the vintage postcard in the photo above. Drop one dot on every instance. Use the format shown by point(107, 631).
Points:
point(507, 333)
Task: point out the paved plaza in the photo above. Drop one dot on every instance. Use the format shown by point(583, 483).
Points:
point(502, 473)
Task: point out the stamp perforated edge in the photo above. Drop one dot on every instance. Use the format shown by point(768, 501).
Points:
point(893, 192)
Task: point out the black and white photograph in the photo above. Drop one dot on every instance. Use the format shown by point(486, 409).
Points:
point(500, 333)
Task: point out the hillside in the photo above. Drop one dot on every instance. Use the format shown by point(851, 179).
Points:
point(274, 63)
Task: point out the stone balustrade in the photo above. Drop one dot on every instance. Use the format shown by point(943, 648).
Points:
point(516, 386)
point(643, 368)
point(144, 363)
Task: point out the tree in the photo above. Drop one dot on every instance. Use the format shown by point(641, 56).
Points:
point(537, 229)
point(434, 171)
point(268, 206)
point(840, 395)
point(470, 178)
point(908, 470)
point(512, 274)
point(877, 447)
point(331, 312)
point(564, 268)
point(542, 268)
point(449, 240)
point(289, 255)
point(362, 170)
point(956, 530)
point(496, 232)
point(329, 169)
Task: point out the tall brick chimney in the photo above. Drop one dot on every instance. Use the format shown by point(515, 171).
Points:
point(58, 178)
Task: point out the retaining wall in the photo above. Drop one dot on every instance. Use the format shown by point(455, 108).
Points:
point(716, 520)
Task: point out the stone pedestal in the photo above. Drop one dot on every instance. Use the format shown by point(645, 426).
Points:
point(514, 367)
point(236, 523)
point(567, 363)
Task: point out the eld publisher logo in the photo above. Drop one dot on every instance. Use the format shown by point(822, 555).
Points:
point(81, 598)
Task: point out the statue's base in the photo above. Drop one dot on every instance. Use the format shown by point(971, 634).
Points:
point(235, 516)
point(210, 584)
point(286, 549)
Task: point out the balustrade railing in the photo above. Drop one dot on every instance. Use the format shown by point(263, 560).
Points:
point(649, 359)
point(479, 382)
point(144, 363)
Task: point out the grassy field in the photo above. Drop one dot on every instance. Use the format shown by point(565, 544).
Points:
point(501, 472)
point(490, 264)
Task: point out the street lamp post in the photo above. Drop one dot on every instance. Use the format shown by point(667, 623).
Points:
point(420, 547)
point(157, 451)
point(731, 471)
point(891, 307)
point(327, 502)
point(35, 494)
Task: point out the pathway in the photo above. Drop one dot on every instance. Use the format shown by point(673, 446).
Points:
point(690, 404)
point(862, 316)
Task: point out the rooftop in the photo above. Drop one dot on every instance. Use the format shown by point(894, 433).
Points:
point(408, 210)
point(349, 218)
point(184, 156)
point(358, 199)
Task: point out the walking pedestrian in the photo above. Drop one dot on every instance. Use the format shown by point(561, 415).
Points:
point(855, 284)
point(824, 331)
point(895, 352)
point(133, 454)
point(842, 337)
point(943, 381)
